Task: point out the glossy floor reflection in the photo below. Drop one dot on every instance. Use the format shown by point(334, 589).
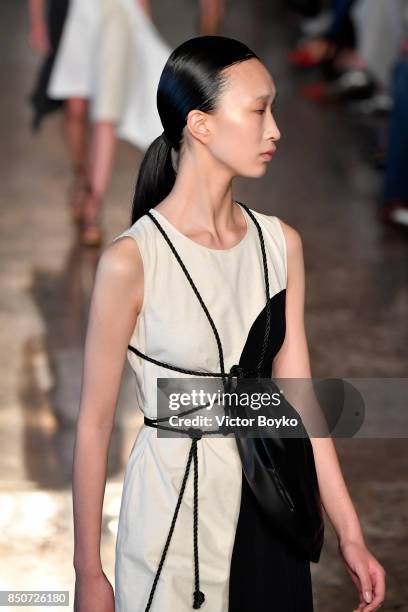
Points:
point(320, 182)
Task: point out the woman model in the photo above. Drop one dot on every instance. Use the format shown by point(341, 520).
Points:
point(215, 100)
point(108, 63)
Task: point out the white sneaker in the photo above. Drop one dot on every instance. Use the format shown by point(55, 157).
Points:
point(378, 103)
point(400, 215)
point(317, 25)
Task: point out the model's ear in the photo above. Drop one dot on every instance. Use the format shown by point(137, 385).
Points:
point(197, 125)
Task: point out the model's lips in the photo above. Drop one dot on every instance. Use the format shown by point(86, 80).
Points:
point(268, 154)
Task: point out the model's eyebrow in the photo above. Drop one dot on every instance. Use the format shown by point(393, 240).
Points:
point(266, 96)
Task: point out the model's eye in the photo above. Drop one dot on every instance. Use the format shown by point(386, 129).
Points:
point(262, 110)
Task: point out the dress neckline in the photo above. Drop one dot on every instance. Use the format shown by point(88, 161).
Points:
point(202, 246)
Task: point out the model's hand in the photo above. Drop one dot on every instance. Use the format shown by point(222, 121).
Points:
point(38, 38)
point(93, 592)
point(366, 572)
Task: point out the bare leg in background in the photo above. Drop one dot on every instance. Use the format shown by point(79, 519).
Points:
point(211, 15)
point(101, 157)
point(75, 130)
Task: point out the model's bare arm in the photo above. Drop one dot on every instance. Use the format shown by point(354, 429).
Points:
point(292, 361)
point(115, 304)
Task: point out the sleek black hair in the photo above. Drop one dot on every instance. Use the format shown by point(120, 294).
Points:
point(192, 78)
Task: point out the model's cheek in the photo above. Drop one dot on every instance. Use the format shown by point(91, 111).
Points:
point(236, 127)
point(229, 148)
point(243, 144)
point(237, 142)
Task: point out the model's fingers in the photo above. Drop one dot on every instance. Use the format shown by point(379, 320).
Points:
point(356, 581)
point(378, 581)
point(365, 582)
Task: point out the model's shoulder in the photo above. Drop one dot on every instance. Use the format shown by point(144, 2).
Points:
point(291, 236)
point(138, 232)
point(137, 229)
point(122, 256)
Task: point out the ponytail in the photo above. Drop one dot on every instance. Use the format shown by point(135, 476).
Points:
point(155, 179)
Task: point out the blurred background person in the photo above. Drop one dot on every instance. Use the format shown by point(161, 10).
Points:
point(104, 58)
point(338, 34)
point(46, 25)
point(211, 16)
point(108, 61)
point(359, 46)
point(356, 49)
point(395, 208)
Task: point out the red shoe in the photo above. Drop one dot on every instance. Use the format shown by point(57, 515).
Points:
point(302, 58)
point(312, 53)
point(316, 92)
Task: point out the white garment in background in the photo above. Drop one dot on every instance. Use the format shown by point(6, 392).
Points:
point(112, 54)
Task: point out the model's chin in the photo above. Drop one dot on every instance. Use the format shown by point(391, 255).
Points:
point(257, 170)
point(260, 169)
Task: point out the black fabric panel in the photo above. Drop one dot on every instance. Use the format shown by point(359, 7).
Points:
point(252, 348)
point(265, 573)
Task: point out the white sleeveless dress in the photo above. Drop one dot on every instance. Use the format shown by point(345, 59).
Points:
point(172, 327)
point(112, 54)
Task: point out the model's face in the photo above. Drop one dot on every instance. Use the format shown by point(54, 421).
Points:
point(243, 126)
